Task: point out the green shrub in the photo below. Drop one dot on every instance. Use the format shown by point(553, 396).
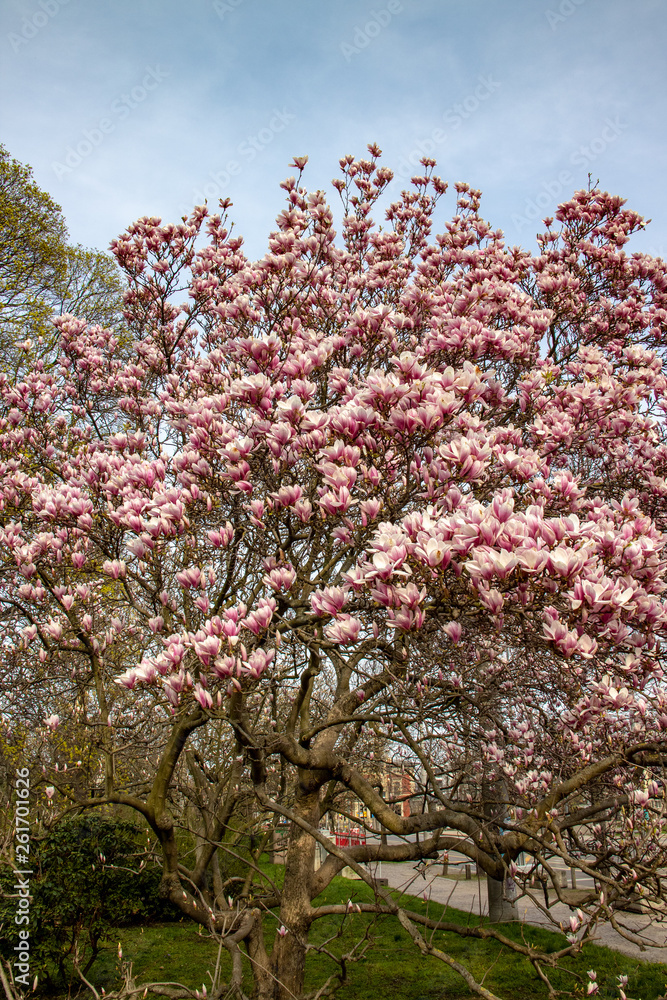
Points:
point(86, 881)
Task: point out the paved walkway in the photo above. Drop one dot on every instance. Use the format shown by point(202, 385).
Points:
point(470, 896)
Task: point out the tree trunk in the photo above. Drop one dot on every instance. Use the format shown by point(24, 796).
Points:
point(289, 953)
point(502, 900)
point(501, 893)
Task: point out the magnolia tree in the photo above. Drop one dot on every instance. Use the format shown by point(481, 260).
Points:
point(377, 491)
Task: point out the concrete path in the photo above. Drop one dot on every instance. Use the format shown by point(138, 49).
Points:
point(470, 896)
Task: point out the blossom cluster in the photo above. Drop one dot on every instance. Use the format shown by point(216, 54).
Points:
point(353, 438)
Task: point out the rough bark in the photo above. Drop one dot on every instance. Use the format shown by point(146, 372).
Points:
point(289, 951)
point(502, 900)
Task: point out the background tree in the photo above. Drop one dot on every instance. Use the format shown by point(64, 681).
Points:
point(41, 273)
point(33, 241)
point(356, 488)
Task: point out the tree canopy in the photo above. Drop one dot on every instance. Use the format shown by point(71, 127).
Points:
point(378, 494)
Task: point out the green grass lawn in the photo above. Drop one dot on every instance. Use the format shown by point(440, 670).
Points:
point(394, 969)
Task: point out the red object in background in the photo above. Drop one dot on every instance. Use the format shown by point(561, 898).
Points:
point(355, 838)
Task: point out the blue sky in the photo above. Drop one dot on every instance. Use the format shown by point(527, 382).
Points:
point(143, 107)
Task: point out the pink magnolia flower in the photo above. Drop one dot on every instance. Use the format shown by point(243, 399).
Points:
point(405, 619)
point(128, 679)
point(202, 696)
point(329, 601)
point(207, 648)
point(303, 510)
point(503, 563)
point(224, 666)
point(453, 630)
point(258, 661)
point(281, 578)
point(220, 538)
point(565, 561)
point(335, 502)
point(586, 647)
point(344, 630)
point(435, 551)
point(383, 565)
point(369, 510)
point(531, 560)
point(189, 578)
point(260, 619)
point(287, 496)
point(115, 568)
point(493, 600)
point(54, 629)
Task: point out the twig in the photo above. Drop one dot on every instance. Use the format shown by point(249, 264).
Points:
point(9, 993)
point(429, 949)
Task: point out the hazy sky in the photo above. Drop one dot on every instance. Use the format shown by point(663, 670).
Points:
point(144, 107)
